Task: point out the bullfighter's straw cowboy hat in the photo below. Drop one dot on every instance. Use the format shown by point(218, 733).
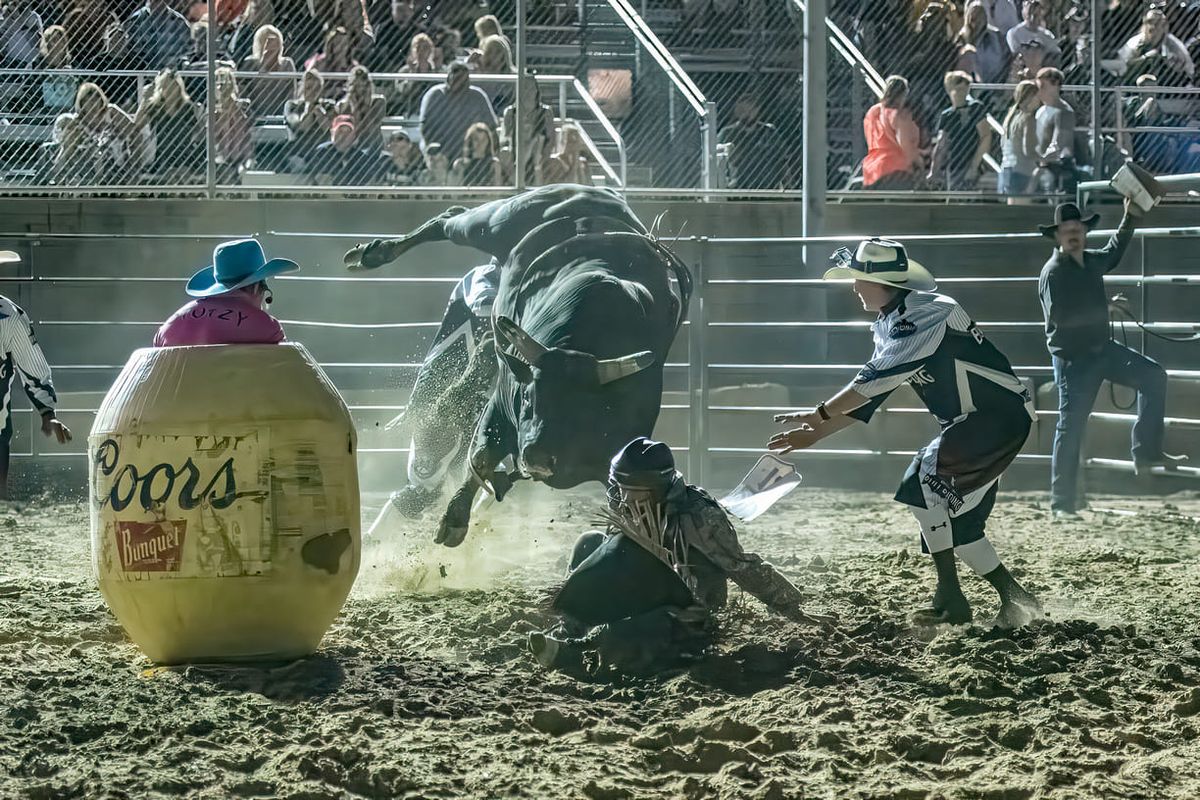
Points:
point(237, 264)
point(880, 261)
point(1068, 212)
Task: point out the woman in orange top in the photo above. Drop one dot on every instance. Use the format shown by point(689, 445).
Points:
point(893, 155)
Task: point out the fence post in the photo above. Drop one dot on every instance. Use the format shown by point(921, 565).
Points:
point(211, 103)
point(1097, 136)
point(816, 145)
point(517, 144)
point(698, 371)
point(708, 167)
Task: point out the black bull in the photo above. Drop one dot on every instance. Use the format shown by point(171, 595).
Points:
point(583, 320)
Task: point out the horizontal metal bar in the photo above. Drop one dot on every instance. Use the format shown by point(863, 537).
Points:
point(49, 235)
point(1117, 280)
point(1127, 466)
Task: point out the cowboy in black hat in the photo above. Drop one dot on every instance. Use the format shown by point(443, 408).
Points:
point(640, 596)
point(1075, 306)
point(927, 340)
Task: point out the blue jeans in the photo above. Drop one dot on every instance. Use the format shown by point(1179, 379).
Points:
point(1078, 381)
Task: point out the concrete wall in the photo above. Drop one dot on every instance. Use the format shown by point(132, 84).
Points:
point(84, 276)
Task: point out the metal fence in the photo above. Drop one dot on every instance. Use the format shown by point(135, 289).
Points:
point(695, 95)
point(752, 328)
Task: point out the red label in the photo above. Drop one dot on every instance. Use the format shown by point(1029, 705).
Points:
point(151, 546)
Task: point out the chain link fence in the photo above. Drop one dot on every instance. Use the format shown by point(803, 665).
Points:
point(674, 94)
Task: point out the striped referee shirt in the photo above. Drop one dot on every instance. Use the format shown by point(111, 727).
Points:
point(23, 356)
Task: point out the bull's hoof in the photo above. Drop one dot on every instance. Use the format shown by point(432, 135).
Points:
point(450, 535)
point(372, 255)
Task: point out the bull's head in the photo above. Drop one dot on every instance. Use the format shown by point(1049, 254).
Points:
point(568, 401)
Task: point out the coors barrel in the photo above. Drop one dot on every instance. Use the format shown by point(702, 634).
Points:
point(224, 502)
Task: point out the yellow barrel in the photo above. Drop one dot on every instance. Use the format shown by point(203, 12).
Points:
point(224, 502)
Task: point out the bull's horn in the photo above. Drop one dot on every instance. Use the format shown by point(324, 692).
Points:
point(530, 348)
point(613, 369)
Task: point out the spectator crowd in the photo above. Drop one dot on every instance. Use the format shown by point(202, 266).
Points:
point(293, 93)
point(932, 129)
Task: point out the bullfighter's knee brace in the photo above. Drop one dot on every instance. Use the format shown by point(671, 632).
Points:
point(979, 555)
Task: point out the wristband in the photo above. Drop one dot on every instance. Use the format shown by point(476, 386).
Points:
point(822, 413)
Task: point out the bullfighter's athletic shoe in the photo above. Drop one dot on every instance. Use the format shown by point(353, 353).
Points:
point(1166, 460)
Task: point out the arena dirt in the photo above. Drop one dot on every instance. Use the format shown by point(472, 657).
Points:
point(423, 688)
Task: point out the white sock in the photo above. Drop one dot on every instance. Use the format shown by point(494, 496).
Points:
point(979, 555)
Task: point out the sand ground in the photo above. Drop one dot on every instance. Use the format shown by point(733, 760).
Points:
point(423, 688)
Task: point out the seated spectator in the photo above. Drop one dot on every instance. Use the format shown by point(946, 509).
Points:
point(402, 162)
point(537, 133)
point(448, 42)
point(20, 34)
point(422, 59)
point(83, 20)
point(755, 148)
point(1055, 135)
point(449, 109)
point(1076, 46)
point(233, 120)
point(122, 89)
point(395, 23)
point(366, 107)
point(893, 158)
point(98, 143)
point(991, 53)
point(340, 161)
point(1018, 143)
point(1154, 50)
point(488, 25)
point(54, 93)
point(1002, 15)
point(159, 36)
point(963, 137)
point(349, 15)
point(437, 167)
point(335, 57)
point(478, 165)
point(1157, 152)
point(231, 299)
point(267, 95)
point(177, 124)
point(241, 37)
point(569, 164)
point(308, 117)
point(1034, 29)
point(494, 57)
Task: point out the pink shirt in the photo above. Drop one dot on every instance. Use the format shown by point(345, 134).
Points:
point(225, 319)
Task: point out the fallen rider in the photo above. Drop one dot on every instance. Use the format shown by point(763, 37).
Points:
point(640, 596)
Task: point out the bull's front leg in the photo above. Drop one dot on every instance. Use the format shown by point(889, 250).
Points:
point(489, 449)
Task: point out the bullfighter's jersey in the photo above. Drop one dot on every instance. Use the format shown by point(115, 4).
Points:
point(929, 341)
point(23, 357)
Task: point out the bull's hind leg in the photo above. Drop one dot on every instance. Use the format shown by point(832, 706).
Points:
point(378, 252)
point(493, 439)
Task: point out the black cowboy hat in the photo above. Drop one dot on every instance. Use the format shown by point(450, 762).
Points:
point(1068, 212)
point(619, 579)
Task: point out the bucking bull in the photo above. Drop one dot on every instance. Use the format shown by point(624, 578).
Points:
point(572, 367)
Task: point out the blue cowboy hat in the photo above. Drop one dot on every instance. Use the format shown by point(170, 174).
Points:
point(237, 264)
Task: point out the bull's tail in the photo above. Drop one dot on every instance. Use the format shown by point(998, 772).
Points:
point(683, 276)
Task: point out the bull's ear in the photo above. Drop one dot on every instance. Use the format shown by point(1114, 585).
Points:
point(613, 369)
point(520, 370)
point(530, 349)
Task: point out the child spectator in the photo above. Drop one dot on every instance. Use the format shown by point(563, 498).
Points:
point(893, 158)
point(1055, 135)
point(478, 165)
point(267, 95)
point(177, 124)
point(1018, 144)
point(963, 136)
point(437, 166)
point(366, 107)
